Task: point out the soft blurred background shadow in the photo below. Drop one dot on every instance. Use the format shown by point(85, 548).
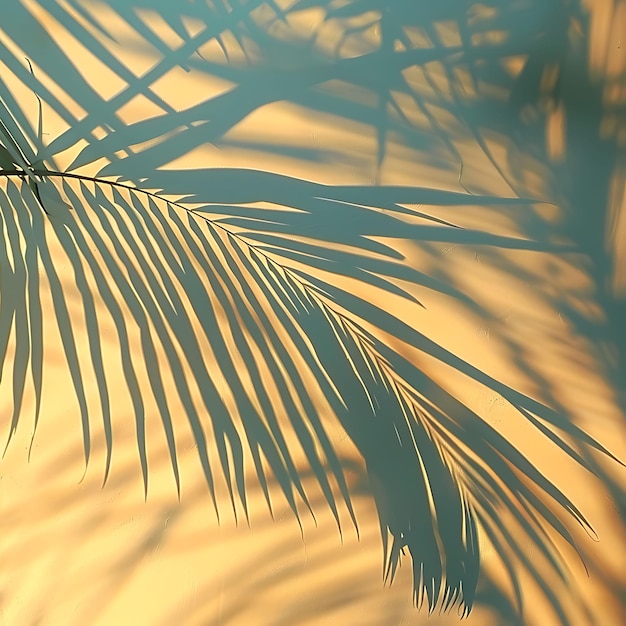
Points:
point(437, 187)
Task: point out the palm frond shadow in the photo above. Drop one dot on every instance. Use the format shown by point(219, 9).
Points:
point(273, 318)
point(431, 493)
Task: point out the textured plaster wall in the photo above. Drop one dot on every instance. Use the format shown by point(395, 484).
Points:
point(73, 551)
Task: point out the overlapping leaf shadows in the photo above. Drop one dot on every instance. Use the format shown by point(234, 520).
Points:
point(148, 268)
point(275, 270)
point(436, 467)
point(269, 331)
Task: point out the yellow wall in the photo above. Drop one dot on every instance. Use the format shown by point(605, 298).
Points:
point(75, 551)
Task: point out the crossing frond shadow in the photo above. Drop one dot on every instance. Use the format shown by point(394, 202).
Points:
point(263, 297)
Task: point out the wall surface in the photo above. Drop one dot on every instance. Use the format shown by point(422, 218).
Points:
point(438, 187)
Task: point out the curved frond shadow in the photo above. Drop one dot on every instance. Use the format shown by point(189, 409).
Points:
point(290, 281)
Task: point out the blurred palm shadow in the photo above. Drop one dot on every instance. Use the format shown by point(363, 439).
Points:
point(256, 278)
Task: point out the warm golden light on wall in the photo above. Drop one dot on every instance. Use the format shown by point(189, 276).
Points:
point(279, 280)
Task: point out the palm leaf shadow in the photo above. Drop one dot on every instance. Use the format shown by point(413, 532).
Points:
point(97, 223)
point(235, 272)
point(381, 409)
point(426, 484)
